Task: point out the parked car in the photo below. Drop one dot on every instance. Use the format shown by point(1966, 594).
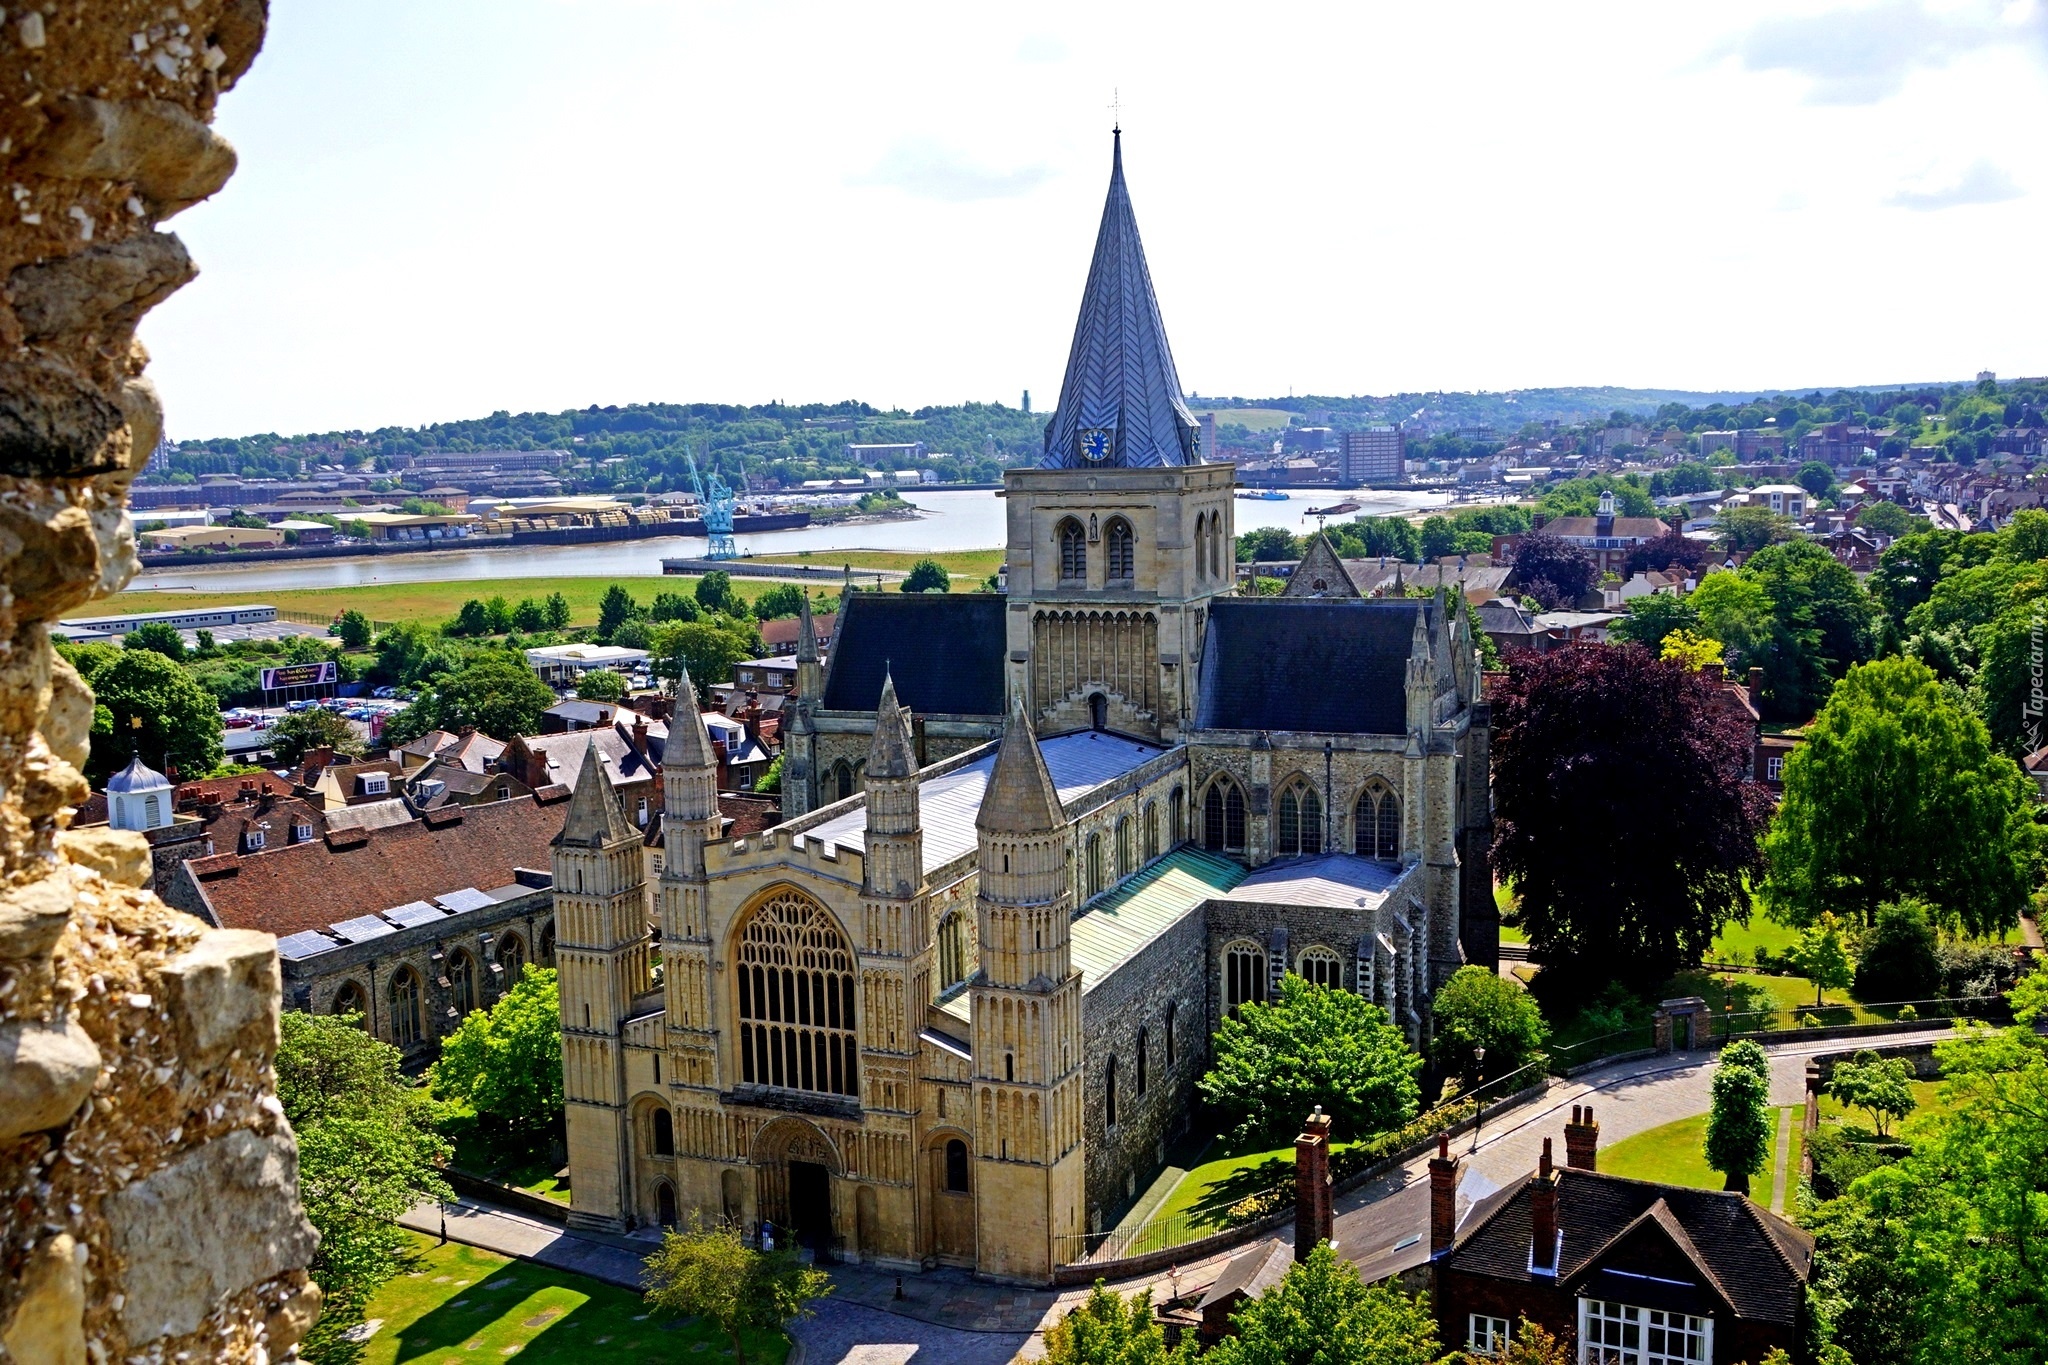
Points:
point(302, 704)
point(385, 692)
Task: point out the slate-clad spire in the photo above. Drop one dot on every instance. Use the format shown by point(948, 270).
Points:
point(689, 743)
point(892, 752)
point(1021, 798)
point(1120, 378)
point(594, 819)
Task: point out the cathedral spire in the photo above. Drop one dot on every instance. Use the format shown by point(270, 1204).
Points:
point(1120, 403)
point(806, 632)
point(892, 752)
point(1021, 798)
point(689, 743)
point(594, 818)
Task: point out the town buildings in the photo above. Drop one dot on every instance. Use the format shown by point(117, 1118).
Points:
point(1374, 455)
point(1036, 845)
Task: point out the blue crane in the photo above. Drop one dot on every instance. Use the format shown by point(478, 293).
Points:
point(718, 503)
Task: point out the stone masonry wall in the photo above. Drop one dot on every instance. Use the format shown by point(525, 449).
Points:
point(150, 1180)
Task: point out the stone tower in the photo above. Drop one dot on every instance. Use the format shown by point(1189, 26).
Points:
point(895, 946)
point(1026, 1020)
point(1122, 533)
point(602, 953)
point(800, 749)
point(689, 821)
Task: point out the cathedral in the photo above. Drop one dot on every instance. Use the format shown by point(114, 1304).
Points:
point(1036, 845)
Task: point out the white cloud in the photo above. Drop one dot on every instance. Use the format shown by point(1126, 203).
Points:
point(1981, 183)
point(1866, 54)
point(929, 170)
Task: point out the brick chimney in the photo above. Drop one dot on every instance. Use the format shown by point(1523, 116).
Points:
point(1582, 1140)
point(1312, 1202)
point(1756, 683)
point(1543, 1218)
point(1443, 1197)
point(639, 732)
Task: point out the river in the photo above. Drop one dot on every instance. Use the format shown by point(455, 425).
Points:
point(955, 520)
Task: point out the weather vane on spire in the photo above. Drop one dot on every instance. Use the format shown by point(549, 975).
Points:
point(1116, 110)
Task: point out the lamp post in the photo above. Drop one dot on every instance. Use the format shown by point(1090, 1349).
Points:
point(1479, 1110)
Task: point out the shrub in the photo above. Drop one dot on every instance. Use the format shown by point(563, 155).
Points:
point(1840, 1155)
point(1808, 1021)
point(1969, 970)
point(1907, 1014)
point(1900, 959)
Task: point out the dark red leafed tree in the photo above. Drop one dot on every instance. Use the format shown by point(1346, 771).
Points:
point(1552, 570)
point(1653, 556)
point(1620, 810)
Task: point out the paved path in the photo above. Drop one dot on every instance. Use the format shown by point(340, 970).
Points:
point(948, 1316)
point(1782, 1174)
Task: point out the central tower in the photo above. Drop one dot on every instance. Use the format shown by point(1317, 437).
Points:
point(1123, 532)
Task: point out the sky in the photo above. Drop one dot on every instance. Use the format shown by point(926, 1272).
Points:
point(449, 207)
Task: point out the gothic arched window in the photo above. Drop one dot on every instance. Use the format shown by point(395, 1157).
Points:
point(952, 950)
point(512, 957)
point(1301, 821)
point(1216, 561)
point(1178, 826)
point(1094, 865)
point(1320, 966)
point(1073, 553)
point(842, 780)
point(796, 979)
point(664, 1133)
point(1376, 823)
point(1123, 552)
point(405, 1007)
point(348, 1000)
point(1201, 545)
point(1109, 1092)
point(1244, 974)
point(1223, 817)
point(956, 1166)
point(545, 953)
point(462, 982)
point(1144, 1045)
point(1172, 1014)
point(1126, 852)
point(1151, 830)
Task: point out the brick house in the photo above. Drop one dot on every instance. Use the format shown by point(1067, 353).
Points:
point(1630, 1271)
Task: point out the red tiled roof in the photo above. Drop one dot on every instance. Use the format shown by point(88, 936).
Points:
point(782, 630)
point(359, 872)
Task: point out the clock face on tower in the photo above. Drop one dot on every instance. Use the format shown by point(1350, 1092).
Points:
point(1095, 445)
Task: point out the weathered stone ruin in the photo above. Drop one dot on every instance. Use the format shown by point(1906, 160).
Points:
point(151, 1182)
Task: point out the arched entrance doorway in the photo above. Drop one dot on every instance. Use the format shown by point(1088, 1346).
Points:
point(794, 1164)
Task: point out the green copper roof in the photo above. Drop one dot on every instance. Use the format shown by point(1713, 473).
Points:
point(1119, 923)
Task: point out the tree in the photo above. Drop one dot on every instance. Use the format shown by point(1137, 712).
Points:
point(180, 723)
point(530, 616)
point(1880, 1086)
point(496, 693)
point(1821, 625)
point(715, 594)
point(711, 1273)
point(614, 610)
point(160, 637)
point(471, 618)
point(1739, 1128)
point(770, 781)
point(368, 1149)
point(1620, 810)
point(498, 615)
point(600, 684)
point(353, 630)
point(1816, 478)
point(783, 599)
point(1476, 1008)
point(707, 649)
point(1691, 555)
point(1899, 960)
point(505, 1063)
point(557, 609)
point(1822, 957)
point(1750, 528)
point(1554, 571)
point(1691, 651)
point(1652, 619)
point(1267, 544)
point(297, 732)
point(1530, 1345)
point(1313, 1046)
point(1108, 1329)
point(1321, 1313)
point(1896, 792)
point(1887, 519)
point(1737, 612)
point(927, 575)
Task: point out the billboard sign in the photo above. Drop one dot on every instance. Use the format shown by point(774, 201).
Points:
point(300, 675)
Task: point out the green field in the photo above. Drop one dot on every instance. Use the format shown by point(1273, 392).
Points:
point(1761, 932)
point(970, 568)
point(1675, 1154)
point(1253, 419)
point(455, 1303)
point(436, 601)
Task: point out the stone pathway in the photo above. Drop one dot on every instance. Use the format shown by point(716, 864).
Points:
point(948, 1316)
point(1781, 1177)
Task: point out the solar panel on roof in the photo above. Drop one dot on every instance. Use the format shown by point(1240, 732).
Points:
point(310, 943)
point(361, 929)
point(468, 898)
point(412, 913)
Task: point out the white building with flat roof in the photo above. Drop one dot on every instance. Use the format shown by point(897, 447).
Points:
point(559, 664)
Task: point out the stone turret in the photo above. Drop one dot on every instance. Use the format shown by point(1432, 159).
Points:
point(1026, 1012)
point(894, 858)
point(800, 737)
point(604, 957)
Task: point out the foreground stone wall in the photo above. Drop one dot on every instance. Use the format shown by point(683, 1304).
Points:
point(150, 1180)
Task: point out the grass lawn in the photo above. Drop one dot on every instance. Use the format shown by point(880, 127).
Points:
point(1761, 932)
point(437, 601)
point(1926, 1099)
point(970, 568)
point(1675, 1154)
point(1251, 419)
point(1219, 1179)
point(458, 1303)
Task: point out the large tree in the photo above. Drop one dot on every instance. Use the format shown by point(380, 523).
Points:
point(711, 1273)
point(1897, 792)
point(368, 1148)
point(1107, 1329)
point(497, 693)
point(1739, 1127)
point(1822, 623)
point(1620, 810)
point(1476, 1009)
point(1671, 548)
point(1553, 570)
point(505, 1063)
point(296, 732)
point(179, 722)
point(709, 649)
point(1313, 1046)
point(1321, 1313)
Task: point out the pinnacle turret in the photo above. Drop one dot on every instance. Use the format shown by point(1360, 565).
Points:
point(1021, 797)
point(594, 818)
point(892, 752)
point(689, 743)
